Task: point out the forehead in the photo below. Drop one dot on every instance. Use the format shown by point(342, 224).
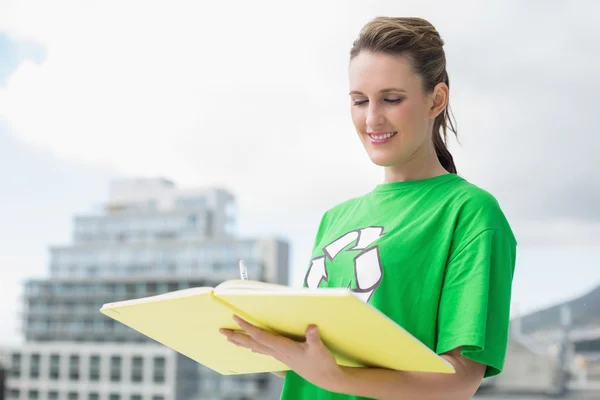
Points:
point(371, 72)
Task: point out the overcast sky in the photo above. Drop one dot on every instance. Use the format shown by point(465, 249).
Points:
point(253, 96)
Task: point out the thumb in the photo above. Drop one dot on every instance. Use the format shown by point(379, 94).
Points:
point(312, 336)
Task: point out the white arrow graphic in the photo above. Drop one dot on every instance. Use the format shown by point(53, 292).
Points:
point(334, 248)
point(368, 271)
point(367, 265)
point(367, 236)
point(316, 273)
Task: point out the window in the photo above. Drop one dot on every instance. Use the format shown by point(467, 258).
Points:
point(53, 395)
point(15, 367)
point(92, 271)
point(98, 324)
point(141, 287)
point(33, 395)
point(159, 369)
point(54, 367)
point(137, 369)
point(130, 290)
point(93, 396)
point(172, 286)
point(34, 367)
point(158, 397)
point(13, 393)
point(136, 397)
point(94, 368)
point(73, 396)
point(88, 324)
point(114, 396)
point(190, 202)
point(109, 324)
point(208, 231)
point(110, 288)
point(151, 288)
point(162, 287)
point(74, 368)
point(115, 369)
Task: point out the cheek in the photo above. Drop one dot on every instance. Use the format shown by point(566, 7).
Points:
point(406, 116)
point(358, 118)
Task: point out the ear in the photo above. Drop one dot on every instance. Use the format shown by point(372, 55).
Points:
point(438, 100)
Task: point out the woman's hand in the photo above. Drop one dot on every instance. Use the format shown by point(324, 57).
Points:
point(310, 359)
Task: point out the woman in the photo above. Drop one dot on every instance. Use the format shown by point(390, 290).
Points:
point(442, 254)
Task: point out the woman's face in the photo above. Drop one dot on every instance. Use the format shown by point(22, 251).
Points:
point(390, 111)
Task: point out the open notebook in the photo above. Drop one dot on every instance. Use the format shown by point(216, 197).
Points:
point(188, 321)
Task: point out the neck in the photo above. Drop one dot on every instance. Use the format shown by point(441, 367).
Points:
point(420, 166)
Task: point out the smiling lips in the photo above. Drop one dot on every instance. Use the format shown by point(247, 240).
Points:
point(380, 137)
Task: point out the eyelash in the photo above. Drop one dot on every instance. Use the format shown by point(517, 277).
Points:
point(390, 101)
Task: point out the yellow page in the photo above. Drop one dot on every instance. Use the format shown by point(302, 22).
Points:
point(352, 329)
point(188, 321)
point(239, 284)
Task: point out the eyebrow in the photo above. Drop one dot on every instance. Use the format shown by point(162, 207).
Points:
point(387, 90)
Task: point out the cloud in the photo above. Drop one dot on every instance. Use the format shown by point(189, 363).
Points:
point(254, 96)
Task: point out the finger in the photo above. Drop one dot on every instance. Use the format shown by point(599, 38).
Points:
point(313, 338)
point(267, 339)
point(243, 340)
point(226, 332)
point(255, 347)
point(237, 336)
point(278, 346)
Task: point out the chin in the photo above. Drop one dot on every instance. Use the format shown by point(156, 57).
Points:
point(383, 161)
point(383, 158)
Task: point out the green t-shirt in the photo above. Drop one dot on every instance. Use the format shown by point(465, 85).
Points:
point(435, 255)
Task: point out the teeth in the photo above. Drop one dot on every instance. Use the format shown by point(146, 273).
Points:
point(384, 136)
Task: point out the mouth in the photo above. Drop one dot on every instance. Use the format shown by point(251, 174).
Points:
point(380, 137)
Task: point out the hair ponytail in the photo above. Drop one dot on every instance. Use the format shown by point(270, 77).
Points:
point(440, 136)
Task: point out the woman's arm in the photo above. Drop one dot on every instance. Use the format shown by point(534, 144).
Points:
point(314, 362)
point(386, 384)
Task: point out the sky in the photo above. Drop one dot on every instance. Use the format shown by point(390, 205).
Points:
point(254, 98)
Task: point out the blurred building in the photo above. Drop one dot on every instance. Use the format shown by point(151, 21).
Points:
point(151, 238)
point(554, 350)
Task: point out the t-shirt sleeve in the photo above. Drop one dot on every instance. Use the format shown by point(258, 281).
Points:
point(475, 300)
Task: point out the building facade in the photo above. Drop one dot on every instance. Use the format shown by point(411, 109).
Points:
point(151, 238)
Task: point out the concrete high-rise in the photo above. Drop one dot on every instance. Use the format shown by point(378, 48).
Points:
point(152, 237)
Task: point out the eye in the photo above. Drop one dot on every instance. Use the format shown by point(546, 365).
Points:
point(394, 101)
point(360, 102)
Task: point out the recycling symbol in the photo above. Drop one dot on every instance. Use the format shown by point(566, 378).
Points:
point(367, 264)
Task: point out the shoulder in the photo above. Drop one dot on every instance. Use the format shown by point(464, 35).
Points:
point(476, 206)
point(344, 208)
point(469, 194)
point(475, 211)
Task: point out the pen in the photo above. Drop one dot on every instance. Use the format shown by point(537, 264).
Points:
point(243, 270)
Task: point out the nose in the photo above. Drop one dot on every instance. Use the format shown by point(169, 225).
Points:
point(375, 117)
